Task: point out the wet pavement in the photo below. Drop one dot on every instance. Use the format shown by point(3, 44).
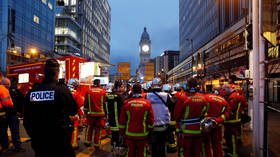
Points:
point(84, 151)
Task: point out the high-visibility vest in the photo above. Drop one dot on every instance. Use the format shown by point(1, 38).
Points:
point(5, 98)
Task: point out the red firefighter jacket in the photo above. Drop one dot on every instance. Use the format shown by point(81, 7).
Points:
point(238, 89)
point(218, 108)
point(136, 118)
point(79, 99)
point(95, 99)
point(189, 115)
point(237, 105)
point(180, 96)
point(5, 98)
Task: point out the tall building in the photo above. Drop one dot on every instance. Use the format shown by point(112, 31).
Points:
point(94, 16)
point(212, 39)
point(166, 61)
point(145, 47)
point(67, 30)
point(201, 21)
point(26, 27)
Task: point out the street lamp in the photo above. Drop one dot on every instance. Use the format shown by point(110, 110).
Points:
point(33, 51)
point(194, 68)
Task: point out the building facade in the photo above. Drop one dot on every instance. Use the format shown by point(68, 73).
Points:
point(95, 20)
point(25, 25)
point(201, 21)
point(212, 39)
point(166, 61)
point(123, 71)
point(67, 30)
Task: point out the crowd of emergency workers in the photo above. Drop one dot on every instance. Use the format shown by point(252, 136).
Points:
point(154, 117)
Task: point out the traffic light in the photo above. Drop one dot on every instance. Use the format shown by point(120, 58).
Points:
point(249, 36)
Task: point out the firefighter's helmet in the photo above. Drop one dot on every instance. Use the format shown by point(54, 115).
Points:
point(207, 124)
point(73, 82)
point(148, 85)
point(166, 88)
point(156, 83)
point(177, 87)
point(109, 87)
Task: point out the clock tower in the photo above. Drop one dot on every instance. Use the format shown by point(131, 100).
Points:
point(145, 47)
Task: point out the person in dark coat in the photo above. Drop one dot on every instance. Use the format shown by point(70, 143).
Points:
point(46, 115)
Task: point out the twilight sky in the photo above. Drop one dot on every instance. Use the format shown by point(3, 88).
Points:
point(128, 19)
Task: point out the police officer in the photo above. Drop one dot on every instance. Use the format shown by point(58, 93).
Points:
point(46, 115)
point(5, 103)
point(160, 102)
point(136, 121)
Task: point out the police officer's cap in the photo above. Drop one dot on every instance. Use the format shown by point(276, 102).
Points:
point(51, 64)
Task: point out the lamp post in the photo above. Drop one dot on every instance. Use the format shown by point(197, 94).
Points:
point(191, 41)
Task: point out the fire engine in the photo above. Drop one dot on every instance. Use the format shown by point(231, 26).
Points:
point(28, 74)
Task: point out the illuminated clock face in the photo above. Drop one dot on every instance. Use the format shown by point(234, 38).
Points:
point(145, 48)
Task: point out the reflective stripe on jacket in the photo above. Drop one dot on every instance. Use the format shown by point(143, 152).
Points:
point(5, 98)
point(136, 118)
point(95, 101)
point(190, 113)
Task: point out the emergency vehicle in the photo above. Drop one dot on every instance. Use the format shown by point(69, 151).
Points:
point(28, 74)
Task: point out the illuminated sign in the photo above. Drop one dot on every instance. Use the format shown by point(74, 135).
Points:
point(88, 70)
point(23, 78)
point(62, 70)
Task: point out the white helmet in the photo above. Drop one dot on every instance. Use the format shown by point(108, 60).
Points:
point(109, 87)
point(148, 85)
point(166, 87)
point(177, 87)
point(132, 81)
point(156, 83)
point(73, 82)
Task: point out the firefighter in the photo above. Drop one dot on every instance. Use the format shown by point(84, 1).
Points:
point(217, 113)
point(5, 103)
point(237, 106)
point(178, 97)
point(232, 82)
point(171, 141)
point(73, 85)
point(188, 117)
point(94, 109)
point(136, 121)
point(114, 102)
point(46, 115)
point(160, 102)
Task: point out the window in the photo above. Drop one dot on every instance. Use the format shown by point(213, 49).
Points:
point(36, 19)
point(73, 2)
point(50, 5)
point(44, 1)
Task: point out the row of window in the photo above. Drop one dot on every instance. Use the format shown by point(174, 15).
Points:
point(49, 4)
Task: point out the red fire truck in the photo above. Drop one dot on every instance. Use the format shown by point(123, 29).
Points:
point(27, 74)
